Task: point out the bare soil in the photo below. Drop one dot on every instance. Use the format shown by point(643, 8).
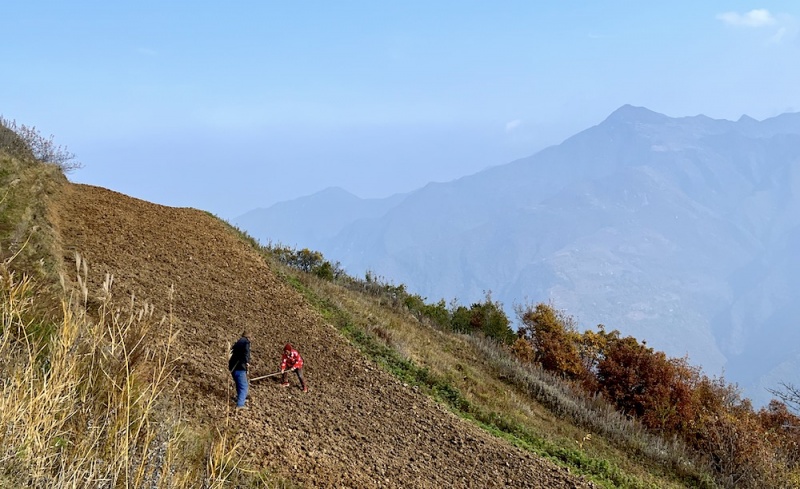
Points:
point(356, 427)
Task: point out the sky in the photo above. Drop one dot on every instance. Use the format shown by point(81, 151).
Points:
point(232, 106)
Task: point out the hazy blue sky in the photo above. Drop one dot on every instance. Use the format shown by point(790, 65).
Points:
point(229, 106)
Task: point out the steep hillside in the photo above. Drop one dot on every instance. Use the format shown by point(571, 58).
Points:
point(357, 427)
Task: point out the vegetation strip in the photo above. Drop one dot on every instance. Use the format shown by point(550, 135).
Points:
point(600, 471)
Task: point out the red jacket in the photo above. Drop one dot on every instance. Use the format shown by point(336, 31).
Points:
point(291, 359)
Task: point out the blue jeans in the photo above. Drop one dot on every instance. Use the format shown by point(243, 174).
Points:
point(240, 377)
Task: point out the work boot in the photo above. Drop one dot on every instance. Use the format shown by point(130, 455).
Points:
point(284, 384)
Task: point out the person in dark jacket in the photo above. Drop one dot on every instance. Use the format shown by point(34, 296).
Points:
point(292, 360)
point(238, 365)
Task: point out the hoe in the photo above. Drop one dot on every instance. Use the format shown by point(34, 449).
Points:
point(268, 375)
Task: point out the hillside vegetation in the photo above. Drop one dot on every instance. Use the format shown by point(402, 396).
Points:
point(118, 316)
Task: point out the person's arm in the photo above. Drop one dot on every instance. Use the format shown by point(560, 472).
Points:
point(247, 355)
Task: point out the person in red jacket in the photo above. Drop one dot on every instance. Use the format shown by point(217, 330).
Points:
point(291, 360)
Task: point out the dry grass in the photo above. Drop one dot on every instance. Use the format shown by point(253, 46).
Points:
point(88, 404)
point(75, 402)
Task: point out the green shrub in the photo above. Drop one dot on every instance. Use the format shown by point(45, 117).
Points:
point(485, 317)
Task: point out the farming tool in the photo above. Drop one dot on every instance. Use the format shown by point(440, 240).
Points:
point(268, 375)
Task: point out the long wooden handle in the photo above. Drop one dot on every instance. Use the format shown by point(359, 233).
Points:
point(265, 376)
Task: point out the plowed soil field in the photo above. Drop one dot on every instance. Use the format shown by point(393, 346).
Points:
point(357, 427)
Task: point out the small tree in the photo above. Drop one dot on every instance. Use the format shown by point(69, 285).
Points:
point(307, 260)
point(554, 340)
point(646, 384)
point(522, 349)
point(437, 312)
point(485, 317)
point(460, 319)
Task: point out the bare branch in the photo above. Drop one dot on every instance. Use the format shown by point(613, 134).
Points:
point(30, 142)
point(789, 395)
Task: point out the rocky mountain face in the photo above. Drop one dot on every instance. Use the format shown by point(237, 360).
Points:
point(679, 231)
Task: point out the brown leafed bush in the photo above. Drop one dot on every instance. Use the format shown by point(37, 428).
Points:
point(646, 384)
point(740, 454)
point(522, 350)
point(554, 340)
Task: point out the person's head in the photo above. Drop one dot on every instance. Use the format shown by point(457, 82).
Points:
point(287, 347)
point(245, 334)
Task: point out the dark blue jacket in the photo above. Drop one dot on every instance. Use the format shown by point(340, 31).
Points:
point(240, 355)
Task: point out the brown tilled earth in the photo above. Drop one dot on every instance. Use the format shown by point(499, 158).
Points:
point(357, 427)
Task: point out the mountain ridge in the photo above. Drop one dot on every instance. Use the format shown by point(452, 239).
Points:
point(658, 211)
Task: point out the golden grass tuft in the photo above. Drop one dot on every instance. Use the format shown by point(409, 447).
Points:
point(87, 405)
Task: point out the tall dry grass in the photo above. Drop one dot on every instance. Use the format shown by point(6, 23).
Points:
point(86, 402)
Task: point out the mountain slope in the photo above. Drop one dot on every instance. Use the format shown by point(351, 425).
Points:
point(358, 427)
point(652, 225)
point(316, 217)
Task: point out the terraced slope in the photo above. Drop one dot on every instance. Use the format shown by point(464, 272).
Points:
point(357, 427)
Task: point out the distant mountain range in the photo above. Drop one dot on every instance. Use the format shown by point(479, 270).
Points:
point(683, 232)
